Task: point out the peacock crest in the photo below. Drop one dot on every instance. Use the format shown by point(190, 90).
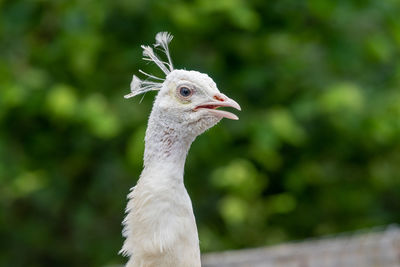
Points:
point(153, 83)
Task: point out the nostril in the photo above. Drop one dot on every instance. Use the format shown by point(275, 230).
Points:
point(219, 98)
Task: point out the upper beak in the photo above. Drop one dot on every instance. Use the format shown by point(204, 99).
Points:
point(221, 101)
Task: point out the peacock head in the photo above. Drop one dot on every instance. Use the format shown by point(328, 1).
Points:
point(185, 97)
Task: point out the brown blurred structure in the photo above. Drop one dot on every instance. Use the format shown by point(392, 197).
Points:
point(372, 248)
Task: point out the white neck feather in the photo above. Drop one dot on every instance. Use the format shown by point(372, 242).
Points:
point(160, 227)
point(165, 144)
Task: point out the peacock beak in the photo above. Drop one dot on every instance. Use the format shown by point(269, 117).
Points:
point(221, 100)
point(233, 104)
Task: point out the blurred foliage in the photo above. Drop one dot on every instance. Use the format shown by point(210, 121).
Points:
point(316, 150)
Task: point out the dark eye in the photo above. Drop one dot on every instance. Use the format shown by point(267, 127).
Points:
point(185, 91)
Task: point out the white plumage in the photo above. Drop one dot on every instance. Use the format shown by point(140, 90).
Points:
point(160, 228)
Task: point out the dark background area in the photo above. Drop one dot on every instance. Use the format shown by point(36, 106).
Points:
point(316, 150)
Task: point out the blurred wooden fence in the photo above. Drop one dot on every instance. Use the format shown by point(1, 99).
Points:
point(373, 248)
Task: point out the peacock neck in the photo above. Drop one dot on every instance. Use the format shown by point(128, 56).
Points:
point(166, 146)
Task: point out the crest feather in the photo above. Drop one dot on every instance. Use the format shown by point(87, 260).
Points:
point(148, 54)
point(163, 39)
point(153, 83)
point(138, 86)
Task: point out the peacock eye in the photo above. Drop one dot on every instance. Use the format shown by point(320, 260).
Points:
point(185, 91)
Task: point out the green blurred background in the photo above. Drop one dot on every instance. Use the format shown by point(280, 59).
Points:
point(316, 150)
